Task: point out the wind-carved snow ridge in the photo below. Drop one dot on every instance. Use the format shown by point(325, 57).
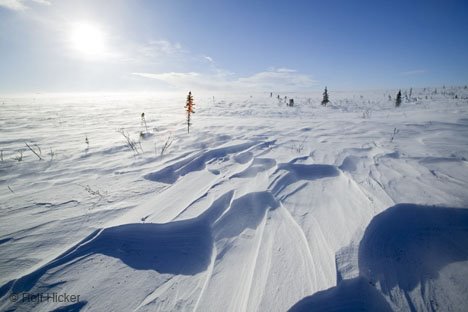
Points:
point(262, 207)
point(424, 258)
point(171, 173)
point(410, 259)
point(296, 172)
point(179, 247)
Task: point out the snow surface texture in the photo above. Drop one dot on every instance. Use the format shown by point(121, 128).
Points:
point(262, 207)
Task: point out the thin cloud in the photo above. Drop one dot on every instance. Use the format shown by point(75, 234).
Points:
point(170, 77)
point(15, 5)
point(284, 70)
point(278, 79)
point(187, 80)
point(43, 2)
point(414, 72)
point(157, 48)
point(209, 59)
point(19, 5)
point(154, 52)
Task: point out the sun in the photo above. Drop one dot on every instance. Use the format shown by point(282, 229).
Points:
point(88, 39)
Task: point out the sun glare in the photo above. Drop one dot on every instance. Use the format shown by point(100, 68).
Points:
point(87, 39)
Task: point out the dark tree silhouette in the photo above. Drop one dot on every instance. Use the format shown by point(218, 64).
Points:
point(325, 99)
point(398, 99)
point(189, 109)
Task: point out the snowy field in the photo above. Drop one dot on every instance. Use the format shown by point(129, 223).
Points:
point(261, 207)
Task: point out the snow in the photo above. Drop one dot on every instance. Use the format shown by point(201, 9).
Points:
point(261, 207)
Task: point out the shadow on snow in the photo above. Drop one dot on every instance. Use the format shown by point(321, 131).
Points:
point(404, 246)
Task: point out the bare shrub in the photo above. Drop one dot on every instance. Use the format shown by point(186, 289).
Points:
point(135, 146)
point(167, 144)
point(19, 157)
point(35, 153)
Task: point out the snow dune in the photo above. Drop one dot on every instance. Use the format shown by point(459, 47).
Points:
point(409, 250)
point(410, 255)
point(262, 207)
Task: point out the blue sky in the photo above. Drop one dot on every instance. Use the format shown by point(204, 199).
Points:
point(143, 45)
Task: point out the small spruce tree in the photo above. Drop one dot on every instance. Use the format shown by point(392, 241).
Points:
point(398, 99)
point(189, 109)
point(325, 99)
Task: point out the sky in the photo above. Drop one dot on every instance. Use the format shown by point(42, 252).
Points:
point(218, 45)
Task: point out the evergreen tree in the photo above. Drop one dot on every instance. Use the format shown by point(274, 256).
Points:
point(398, 99)
point(325, 99)
point(189, 109)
